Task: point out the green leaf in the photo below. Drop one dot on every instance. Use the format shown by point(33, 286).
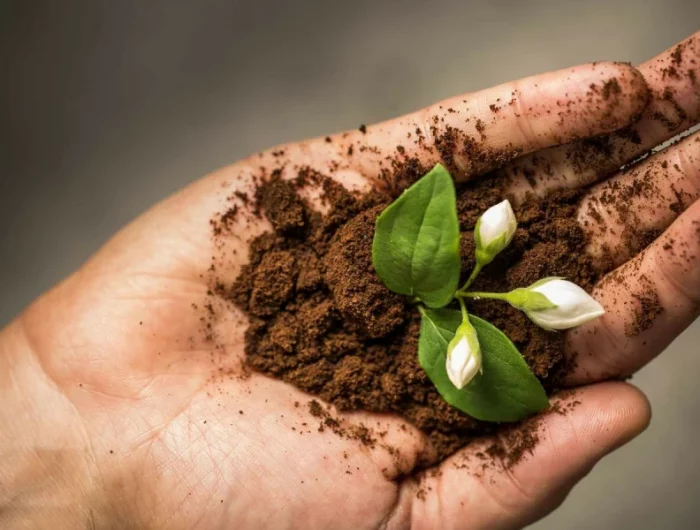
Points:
point(506, 390)
point(416, 241)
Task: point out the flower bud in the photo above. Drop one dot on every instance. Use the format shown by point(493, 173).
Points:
point(463, 355)
point(494, 231)
point(554, 304)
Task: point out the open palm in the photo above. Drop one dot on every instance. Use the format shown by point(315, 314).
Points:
point(128, 375)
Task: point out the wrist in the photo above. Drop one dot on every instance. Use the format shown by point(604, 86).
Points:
point(46, 471)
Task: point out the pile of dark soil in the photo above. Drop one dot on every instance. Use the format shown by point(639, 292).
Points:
point(321, 319)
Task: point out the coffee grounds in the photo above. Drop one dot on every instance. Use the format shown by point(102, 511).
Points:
point(321, 320)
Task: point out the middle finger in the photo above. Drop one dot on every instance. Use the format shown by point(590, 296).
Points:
point(650, 299)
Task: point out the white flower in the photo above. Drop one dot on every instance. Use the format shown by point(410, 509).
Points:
point(572, 306)
point(463, 356)
point(494, 231)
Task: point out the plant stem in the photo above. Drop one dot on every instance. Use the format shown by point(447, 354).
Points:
point(472, 277)
point(463, 307)
point(477, 295)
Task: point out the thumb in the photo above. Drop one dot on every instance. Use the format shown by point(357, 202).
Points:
point(526, 472)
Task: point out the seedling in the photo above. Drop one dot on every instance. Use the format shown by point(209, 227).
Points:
point(474, 365)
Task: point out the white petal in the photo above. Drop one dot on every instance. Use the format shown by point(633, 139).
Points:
point(463, 362)
point(496, 221)
point(456, 360)
point(574, 306)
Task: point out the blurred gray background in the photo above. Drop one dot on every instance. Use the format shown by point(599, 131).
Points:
point(108, 106)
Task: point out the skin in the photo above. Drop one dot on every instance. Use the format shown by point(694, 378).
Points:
point(117, 413)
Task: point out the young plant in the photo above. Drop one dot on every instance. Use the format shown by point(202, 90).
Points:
point(474, 365)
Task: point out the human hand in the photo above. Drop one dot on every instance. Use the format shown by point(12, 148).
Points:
point(120, 411)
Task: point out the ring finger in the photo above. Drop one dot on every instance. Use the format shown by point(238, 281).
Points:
point(673, 78)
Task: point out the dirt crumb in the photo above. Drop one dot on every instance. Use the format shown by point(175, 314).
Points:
point(648, 310)
point(282, 206)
